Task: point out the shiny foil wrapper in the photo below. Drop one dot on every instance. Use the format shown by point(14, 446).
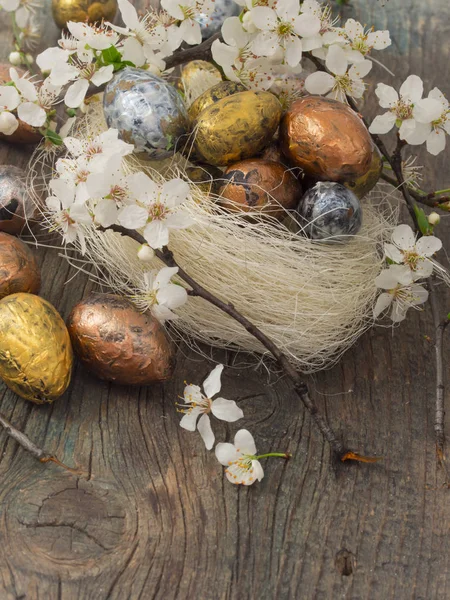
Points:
point(237, 127)
point(213, 95)
point(91, 11)
point(19, 271)
point(117, 343)
point(24, 134)
point(260, 184)
point(368, 181)
point(35, 351)
point(326, 139)
point(16, 206)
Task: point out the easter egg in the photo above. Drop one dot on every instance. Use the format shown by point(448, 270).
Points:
point(196, 77)
point(326, 139)
point(16, 206)
point(19, 271)
point(24, 134)
point(362, 185)
point(260, 185)
point(213, 95)
point(118, 343)
point(90, 11)
point(208, 178)
point(211, 24)
point(35, 351)
point(330, 210)
point(147, 111)
point(236, 127)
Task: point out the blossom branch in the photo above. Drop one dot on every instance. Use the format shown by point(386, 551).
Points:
point(200, 52)
point(430, 199)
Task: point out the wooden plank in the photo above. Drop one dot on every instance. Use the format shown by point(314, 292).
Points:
point(155, 517)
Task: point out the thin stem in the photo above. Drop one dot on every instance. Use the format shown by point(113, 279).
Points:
point(200, 52)
point(427, 198)
point(276, 454)
point(30, 446)
point(300, 386)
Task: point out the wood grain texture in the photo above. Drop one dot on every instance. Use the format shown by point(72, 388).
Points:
point(155, 518)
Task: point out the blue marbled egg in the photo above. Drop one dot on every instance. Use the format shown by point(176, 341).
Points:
point(222, 10)
point(147, 111)
point(330, 210)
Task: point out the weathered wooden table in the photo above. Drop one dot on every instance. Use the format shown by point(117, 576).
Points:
point(155, 517)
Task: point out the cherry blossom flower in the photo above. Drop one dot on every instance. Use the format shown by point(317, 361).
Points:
point(75, 172)
point(340, 83)
point(433, 114)
point(242, 464)
point(187, 13)
point(157, 208)
point(37, 98)
point(399, 296)
point(160, 295)
point(360, 42)
point(282, 27)
point(414, 254)
point(97, 37)
point(197, 404)
point(99, 150)
point(9, 101)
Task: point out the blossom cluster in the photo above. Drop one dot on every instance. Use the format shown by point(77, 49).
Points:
point(410, 260)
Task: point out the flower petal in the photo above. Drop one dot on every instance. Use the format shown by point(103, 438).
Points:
point(386, 94)
point(174, 192)
point(264, 18)
point(212, 384)
point(387, 279)
point(8, 123)
point(383, 302)
point(133, 216)
point(393, 253)
point(258, 470)
point(192, 394)
point(419, 293)
point(226, 453)
point(428, 245)
point(156, 234)
point(427, 110)
point(204, 429)
point(129, 14)
point(306, 24)
point(106, 212)
point(76, 93)
point(226, 410)
point(133, 51)
point(319, 83)
point(412, 89)
point(32, 114)
point(403, 237)
point(189, 421)
point(436, 142)
point(336, 60)
point(398, 313)
point(244, 442)
point(383, 123)
point(172, 295)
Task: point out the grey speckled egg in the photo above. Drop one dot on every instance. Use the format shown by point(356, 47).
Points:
point(147, 111)
point(222, 10)
point(330, 210)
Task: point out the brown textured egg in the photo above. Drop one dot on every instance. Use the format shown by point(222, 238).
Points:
point(367, 182)
point(236, 127)
point(116, 342)
point(35, 352)
point(16, 206)
point(260, 184)
point(24, 134)
point(213, 95)
point(91, 11)
point(19, 271)
point(326, 138)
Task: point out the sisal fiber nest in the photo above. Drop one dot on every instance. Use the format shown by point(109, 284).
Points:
point(313, 299)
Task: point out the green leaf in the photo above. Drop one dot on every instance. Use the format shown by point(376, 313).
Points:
point(422, 221)
point(111, 56)
point(71, 112)
point(53, 137)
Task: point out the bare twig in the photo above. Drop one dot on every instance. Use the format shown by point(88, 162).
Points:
point(200, 52)
point(30, 446)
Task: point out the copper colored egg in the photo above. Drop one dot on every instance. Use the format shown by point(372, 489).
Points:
point(213, 95)
point(24, 134)
point(91, 11)
point(326, 138)
point(367, 182)
point(16, 206)
point(117, 343)
point(19, 271)
point(258, 184)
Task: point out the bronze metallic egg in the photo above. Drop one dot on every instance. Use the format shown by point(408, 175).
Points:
point(16, 206)
point(260, 184)
point(24, 134)
point(35, 353)
point(117, 343)
point(91, 11)
point(367, 182)
point(326, 138)
point(213, 95)
point(19, 271)
point(236, 127)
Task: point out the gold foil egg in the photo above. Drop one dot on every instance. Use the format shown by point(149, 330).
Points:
point(16, 205)
point(35, 352)
point(19, 271)
point(24, 134)
point(258, 184)
point(326, 139)
point(197, 76)
point(236, 127)
point(91, 11)
point(117, 343)
point(213, 95)
point(362, 185)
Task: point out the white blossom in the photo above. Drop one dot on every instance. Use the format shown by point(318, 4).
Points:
point(240, 460)
point(197, 406)
point(414, 253)
point(433, 114)
point(160, 295)
point(187, 13)
point(99, 150)
point(360, 42)
point(399, 296)
point(9, 101)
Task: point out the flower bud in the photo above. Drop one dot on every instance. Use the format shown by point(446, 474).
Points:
point(30, 59)
point(145, 253)
point(15, 58)
point(434, 218)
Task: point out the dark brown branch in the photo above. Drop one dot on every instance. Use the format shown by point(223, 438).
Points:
point(430, 199)
point(30, 446)
point(200, 52)
point(166, 256)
